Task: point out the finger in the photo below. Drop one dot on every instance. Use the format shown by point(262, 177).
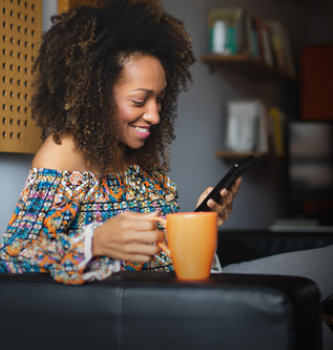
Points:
point(137, 258)
point(227, 197)
point(143, 249)
point(233, 191)
point(139, 222)
point(203, 195)
point(222, 211)
point(141, 216)
point(236, 186)
point(208, 190)
point(146, 237)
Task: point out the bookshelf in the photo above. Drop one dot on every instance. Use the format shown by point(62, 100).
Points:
point(247, 66)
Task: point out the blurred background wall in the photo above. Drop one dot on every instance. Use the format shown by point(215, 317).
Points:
point(199, 128)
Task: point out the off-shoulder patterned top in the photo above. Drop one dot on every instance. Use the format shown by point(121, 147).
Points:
point(47, 230)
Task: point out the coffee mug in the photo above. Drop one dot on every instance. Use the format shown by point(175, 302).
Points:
point(192, 239)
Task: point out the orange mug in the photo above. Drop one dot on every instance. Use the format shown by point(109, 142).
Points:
point(192, 239)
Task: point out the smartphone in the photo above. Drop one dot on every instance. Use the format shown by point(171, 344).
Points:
point(227, 181)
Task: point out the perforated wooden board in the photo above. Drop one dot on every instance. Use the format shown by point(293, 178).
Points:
point(20, 34)
point(65, 5)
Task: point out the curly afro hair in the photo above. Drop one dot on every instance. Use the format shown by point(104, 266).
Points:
point(80, 60)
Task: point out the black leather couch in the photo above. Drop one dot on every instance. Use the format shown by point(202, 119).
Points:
point(135, 310)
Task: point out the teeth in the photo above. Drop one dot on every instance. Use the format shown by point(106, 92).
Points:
point(142, 130)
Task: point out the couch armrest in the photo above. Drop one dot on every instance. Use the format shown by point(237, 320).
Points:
point(157, 311)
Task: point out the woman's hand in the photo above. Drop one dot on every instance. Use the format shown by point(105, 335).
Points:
point(128, 236)
point(224, 208)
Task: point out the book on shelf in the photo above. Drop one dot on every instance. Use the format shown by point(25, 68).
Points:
point(246, 126)
point(251, 126)
point(226, 30)
point(233, 31)
point(267, 44)
point(277, 131)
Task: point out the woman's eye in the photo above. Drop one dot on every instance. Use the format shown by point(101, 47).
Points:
point(139, 103)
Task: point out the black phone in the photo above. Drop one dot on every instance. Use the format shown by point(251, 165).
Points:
point(227, 181)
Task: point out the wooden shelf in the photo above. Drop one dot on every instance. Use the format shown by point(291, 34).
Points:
point(248, 66)
point(232, 154)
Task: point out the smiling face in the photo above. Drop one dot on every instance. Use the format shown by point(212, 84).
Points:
point(138, 98)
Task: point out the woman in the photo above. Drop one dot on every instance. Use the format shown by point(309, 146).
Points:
point(105, 91)
point(106, 87)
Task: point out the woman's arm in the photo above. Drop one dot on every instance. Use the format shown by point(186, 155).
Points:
point(128, 237)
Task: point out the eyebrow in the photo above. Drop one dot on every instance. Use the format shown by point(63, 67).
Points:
point(148, 91)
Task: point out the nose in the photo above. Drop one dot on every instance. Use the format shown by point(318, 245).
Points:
point(151, 115)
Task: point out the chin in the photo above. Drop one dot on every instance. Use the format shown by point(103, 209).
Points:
point(136, 145)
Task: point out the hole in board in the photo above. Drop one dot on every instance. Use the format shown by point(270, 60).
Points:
point(4, 134)
point(26, 123)
point(3, 121)
point(19, 122)
point(11, 135)
point(11, 122)
point(19, 136)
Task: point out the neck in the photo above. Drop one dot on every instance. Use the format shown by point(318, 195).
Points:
point(124, 157)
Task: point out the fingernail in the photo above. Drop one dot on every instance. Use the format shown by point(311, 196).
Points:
point(210, 203)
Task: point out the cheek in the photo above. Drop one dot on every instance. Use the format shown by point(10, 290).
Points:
point(125, 115)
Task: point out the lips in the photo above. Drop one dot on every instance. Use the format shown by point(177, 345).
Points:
point(142, 131)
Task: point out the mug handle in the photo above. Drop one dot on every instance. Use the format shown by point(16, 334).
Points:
point(160, 244)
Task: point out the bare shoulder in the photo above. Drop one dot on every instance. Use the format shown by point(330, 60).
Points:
point(59, 157)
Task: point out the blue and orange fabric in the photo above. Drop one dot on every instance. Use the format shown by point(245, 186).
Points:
point(46, 231)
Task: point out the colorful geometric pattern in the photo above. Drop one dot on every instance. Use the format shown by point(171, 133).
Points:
point(46, 231)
